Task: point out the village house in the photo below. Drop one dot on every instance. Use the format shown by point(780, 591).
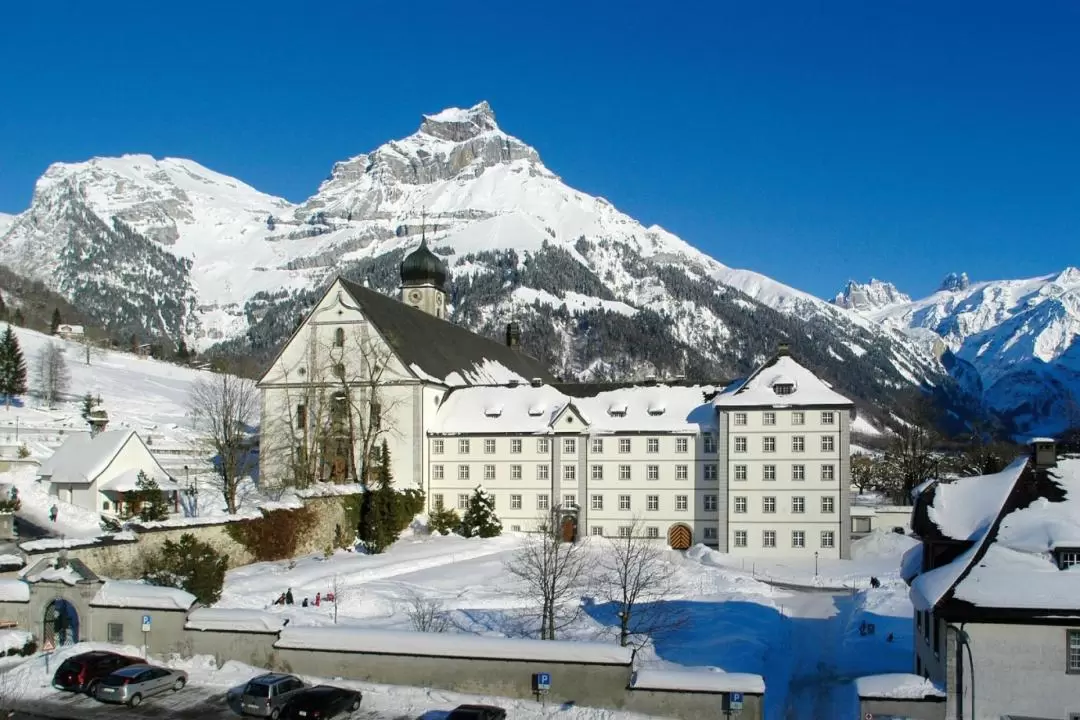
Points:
point(995, 583)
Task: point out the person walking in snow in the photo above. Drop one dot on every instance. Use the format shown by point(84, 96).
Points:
point(289, 597)
point(318, 599)
point(53, 512)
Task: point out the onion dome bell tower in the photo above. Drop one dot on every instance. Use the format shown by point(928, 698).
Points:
point(423, 281)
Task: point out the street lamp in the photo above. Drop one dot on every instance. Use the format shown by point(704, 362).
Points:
point(815, 564)
point(192, 491)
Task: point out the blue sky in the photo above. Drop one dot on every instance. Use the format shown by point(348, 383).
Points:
point(813, 142)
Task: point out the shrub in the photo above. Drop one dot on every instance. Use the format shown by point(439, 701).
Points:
point(275, 535)
point(191, 565)
point(24, 452)
point(110, 525)
point(12, 503)
point(444, 521)
point(151, 500)
point(480, 519)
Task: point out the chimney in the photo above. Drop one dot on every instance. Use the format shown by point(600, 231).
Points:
point(513, 335)
point(536, 382)
point(783, 349)
point(98, 420)
point(1043, 453)
point(650, 379)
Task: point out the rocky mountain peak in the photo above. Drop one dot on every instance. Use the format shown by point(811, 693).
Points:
point(457, 125)
point(869, 296)
point(954, 282)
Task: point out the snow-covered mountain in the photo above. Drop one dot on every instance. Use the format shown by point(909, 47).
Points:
point(5, 222)
point(873, 295)
point(170, 247)
point(1010, 342)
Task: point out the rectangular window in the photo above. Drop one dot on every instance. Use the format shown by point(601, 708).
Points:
point(652, 533)
point(463, 501)
point(543, 472)
point(798, 504)
point(798, 472)
point(463, 447)
point(625, 531)
point(798, 539)
point(437, 447)
point(798, 418)
point(515, 502)
point(710, 533)
point(624, 502)
point(740, 504)
point(828, 472)
point(569, 473)
point(798, 444)
point(768, 444)
point(489, 472)
point(597, 472)
point(740, 418)
point(543, 501)
point(652, 503)
point(768, 472)
point(828, 443)
point(462, 472)
point(1074, 651)
point(624, 472)
point(437, 501)
point(492, 496)
point(542, 446)
point(828, 417)
point(710, 471)
point(116, 633)
point(596, 530)
point(515, 528)
point(740, 538)
point(768, 418)
point(489, 446)
point(740, 472)
point(827, 538)
point(828, 504)
point(740, 444)
point(515, 472)
point(652, 472)
point(768, 504)
point(710, 503)
point(710, 442)
point(597, 502)
point(569, 446)
point(515, 446)
point(768, 538)
point(682, 445)
point(682, 502)
point(1068, 558)
point(569, 501)
point(437, 472)
point(682, 472)
point(624, 445)
point(652, 445)
point(597, 448)
point(301, 417)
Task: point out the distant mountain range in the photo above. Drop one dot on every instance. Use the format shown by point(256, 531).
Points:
point(170, 248)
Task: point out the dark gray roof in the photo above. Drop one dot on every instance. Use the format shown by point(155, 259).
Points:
point(439, 347)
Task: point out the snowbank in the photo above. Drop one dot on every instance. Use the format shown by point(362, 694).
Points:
point(11, 561)
point(715, 681)
point(130, 594)
point(46, 544)
point(897, 686)
point(13, 640)
point(14, 590)
point(397, 642)
point(234, 620)
point(881, 544)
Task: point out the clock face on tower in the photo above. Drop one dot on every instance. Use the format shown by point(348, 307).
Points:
point(414, 296)
point(438, 300)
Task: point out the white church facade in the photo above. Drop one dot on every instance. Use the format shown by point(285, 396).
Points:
point(755, 467)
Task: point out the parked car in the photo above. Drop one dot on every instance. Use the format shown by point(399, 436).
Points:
point(267, 695)
point(477, 712)
point(83, 672)
point(132, 684)
point(321, 701)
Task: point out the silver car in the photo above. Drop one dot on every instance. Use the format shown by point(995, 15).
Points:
point(135, 683)
point(267, 695)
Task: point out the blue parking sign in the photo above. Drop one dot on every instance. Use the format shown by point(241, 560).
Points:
point(735, 701)
point(543, 681)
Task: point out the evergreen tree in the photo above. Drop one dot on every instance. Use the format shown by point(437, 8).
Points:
point(3, 308)
point(189, 564)
point(19, 319)
point(379, 527)
point(12, 367)
point(152, 503)
point(182, 353)
point(87, 406)
point(479, 519)
point(54, 325)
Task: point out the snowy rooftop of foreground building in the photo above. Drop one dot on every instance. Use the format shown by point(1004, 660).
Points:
point(781, 382)
point(1015, 521)
point(697, 680)
point(132, 594)
point(897, 686)
point(602, 408)
point(234, 620)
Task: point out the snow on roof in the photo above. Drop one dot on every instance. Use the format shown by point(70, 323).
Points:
point(330, 490)
point(782, 370)
point(397, 642)
point(131, 594)
point(525, 409)
point(47, 544)
point(234, 620)
point(964, 508)
point(702, 680)
point(12, 590)
point(82, 458)
point(9, 560)
point(1041, 440)
point(898, 686)
point(128, 481)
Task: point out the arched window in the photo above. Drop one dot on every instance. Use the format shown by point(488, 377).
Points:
point(339, 337)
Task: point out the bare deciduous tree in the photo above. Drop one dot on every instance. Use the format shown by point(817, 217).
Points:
point(427, 614)
point(637, 578)
point(553, 573)
point(224, 406)
point(339, 594)
point(51, 373)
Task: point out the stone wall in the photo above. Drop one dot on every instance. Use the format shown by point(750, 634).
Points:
point(909, 709)
point(692, 705)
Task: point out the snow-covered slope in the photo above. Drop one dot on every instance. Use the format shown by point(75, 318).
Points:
point(5, 222)
point(1018, 336)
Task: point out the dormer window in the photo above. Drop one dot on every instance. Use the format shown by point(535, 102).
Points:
point(1067, 557)
point(537, 410)
point(783, 388)
point(618, 410)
